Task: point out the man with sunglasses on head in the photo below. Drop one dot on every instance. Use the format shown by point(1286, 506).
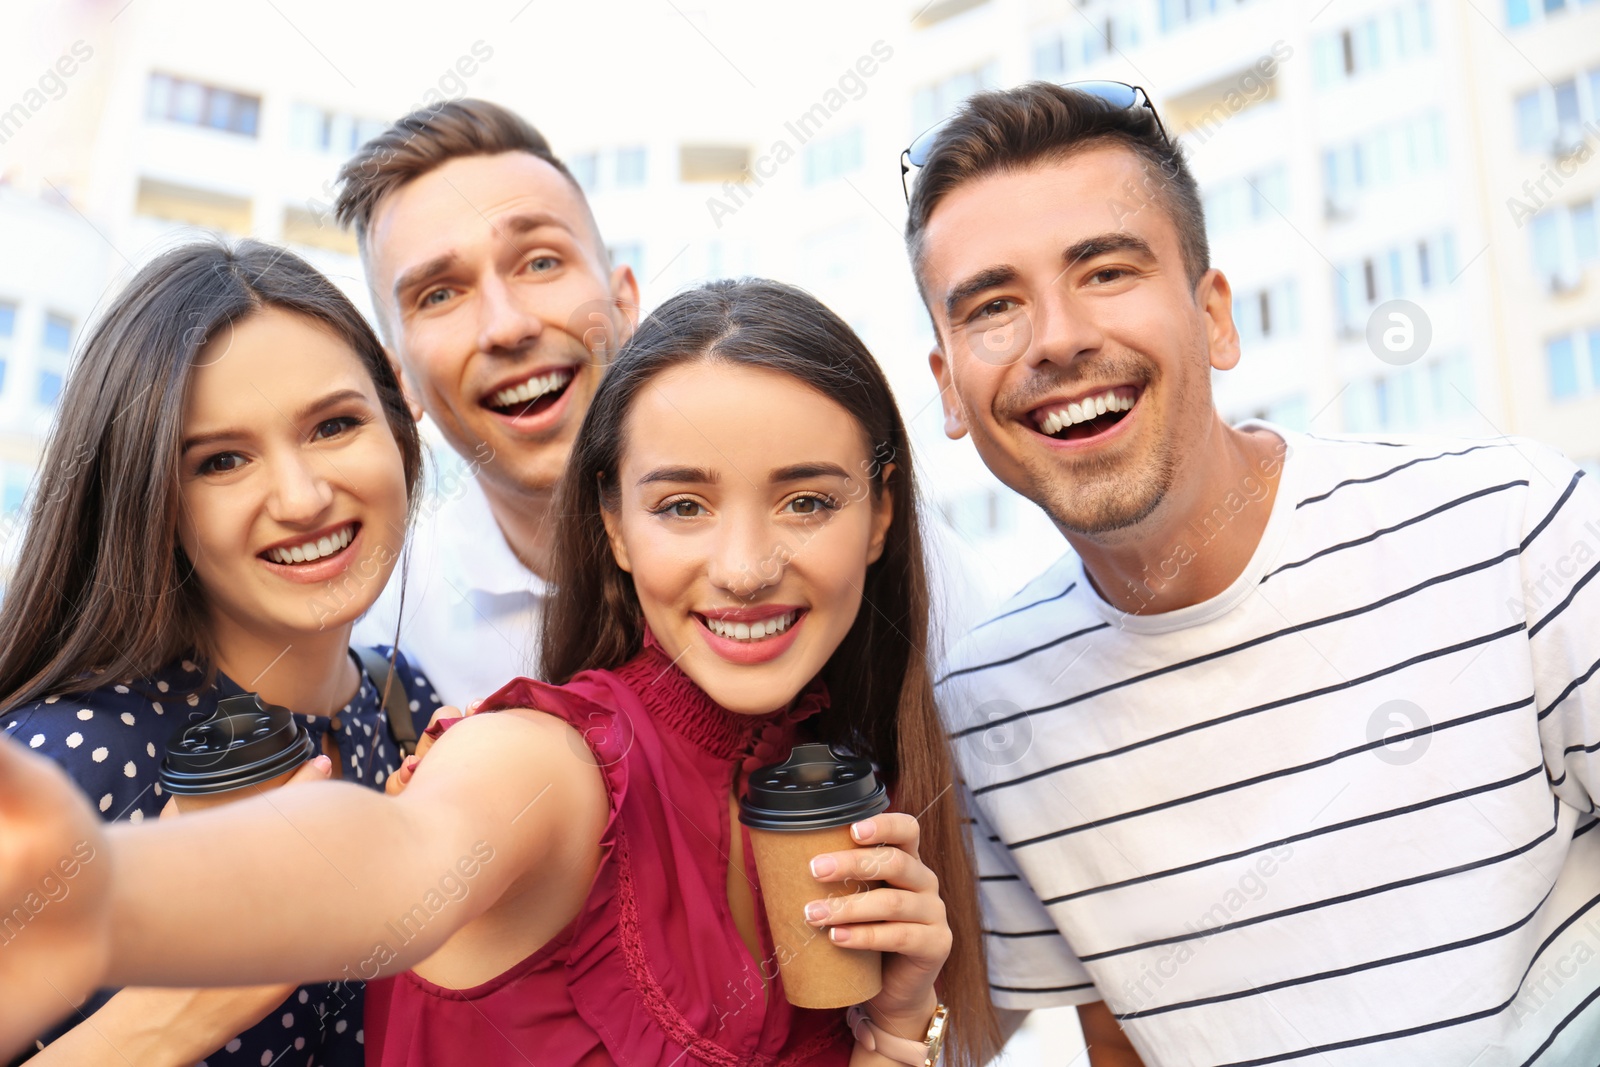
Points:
point(1291, 758)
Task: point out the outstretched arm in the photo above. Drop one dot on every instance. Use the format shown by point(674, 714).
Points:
point(54, 879)
point(224, 897)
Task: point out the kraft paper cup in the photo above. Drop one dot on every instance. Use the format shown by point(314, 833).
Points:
point(796, 810)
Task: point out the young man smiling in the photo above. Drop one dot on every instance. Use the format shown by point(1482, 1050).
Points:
point(1291, 758)
point(500, 305)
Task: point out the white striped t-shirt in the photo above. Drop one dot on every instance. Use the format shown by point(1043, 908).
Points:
point(1338, 814)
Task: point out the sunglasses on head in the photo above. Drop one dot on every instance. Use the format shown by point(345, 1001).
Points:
point(1117, 94)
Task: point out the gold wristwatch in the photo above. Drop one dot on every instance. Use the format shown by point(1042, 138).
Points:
point(934, 1042)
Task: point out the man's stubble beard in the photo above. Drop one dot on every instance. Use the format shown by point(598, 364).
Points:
point(1098, 495)
point(1102, 497)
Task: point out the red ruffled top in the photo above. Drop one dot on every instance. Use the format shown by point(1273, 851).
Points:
point(652, 970)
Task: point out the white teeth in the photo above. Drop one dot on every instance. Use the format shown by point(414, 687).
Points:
point(752, 631)
point(313, 550)
point(532, 388)
point(1058, 419)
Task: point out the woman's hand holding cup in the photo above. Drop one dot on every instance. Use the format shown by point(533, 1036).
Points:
point(904, 918)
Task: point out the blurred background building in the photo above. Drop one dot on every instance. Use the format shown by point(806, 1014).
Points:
point(1351, 153)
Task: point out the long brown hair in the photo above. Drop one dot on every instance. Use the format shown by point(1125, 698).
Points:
point(104, 592)
point(882, 706)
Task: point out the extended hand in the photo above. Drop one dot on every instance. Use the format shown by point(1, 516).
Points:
point(55, 870)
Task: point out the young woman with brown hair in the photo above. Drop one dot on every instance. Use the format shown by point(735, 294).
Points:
point(226, 489)
point(567, 878)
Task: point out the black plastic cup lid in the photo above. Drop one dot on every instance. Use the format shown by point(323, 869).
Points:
point(245, 742)
point(814, 789)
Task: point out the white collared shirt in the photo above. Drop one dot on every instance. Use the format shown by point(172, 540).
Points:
point(472, 609)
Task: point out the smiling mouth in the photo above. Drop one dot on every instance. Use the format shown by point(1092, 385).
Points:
point(1089, 416)
point(532, 396)
point(314, 549)
point(760, 630)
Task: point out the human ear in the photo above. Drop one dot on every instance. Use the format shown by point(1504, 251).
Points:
point(413, 404)
point(955, 426)
point(613, 522)
point(882, 516)
point(625, 294)
point(1214, 296)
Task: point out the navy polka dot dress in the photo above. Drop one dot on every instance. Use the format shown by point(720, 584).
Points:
point(111, 741)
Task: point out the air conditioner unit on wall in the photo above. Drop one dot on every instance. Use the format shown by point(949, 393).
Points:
point(1564, 281)
point(1568, 141)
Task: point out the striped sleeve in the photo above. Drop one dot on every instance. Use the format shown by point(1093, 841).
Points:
point(1030, 963)
point(1561, 605)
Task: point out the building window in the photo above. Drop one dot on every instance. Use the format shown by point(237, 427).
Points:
point(1565, 241)
point(630, 167)
point(14, 482)
point(834, 157)
point(1410, 398)
point(1401, 270)
point(630, 253)
point(1375, 42)
point(585, 169)
point(1573, 362)
point(317, 129)
point(1522, 12)
point(1234, 203)
point(8, 329)
point(931, 103)
point(56, 346)
point(1562, 358)
point(1176, 14)
point(193, 103)
point(1382, 156)
point(1267, 314)
point(58, 333)
point(1083, 40)
point(1555, 118)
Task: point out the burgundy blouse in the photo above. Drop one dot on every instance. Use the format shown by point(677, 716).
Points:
point(652, 970)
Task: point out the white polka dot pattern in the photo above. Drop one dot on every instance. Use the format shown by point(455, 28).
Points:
point(113, 748)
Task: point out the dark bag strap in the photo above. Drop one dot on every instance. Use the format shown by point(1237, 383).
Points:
point(396, 702)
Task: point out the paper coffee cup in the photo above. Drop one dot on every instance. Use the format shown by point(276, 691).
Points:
point(796, 810)
point(243, 747)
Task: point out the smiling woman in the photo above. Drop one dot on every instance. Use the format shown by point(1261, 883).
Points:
point(231, 443)
point(740, 575)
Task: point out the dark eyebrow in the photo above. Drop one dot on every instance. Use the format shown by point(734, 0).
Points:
point(1102, 243)
point(524, 223)
point(512, 224)
point(333, 399)
point(802, 471)
point(338, 396)
point(678, 474)
point(988, 278)
point(1088, 248)
point(423, 273)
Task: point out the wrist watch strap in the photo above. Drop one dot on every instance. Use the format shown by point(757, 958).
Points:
point(924, 1053)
